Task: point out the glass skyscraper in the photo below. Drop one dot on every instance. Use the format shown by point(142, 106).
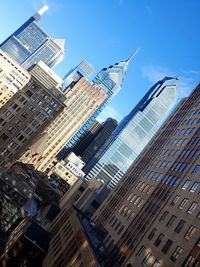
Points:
point(30, 43)
point(110, 79)
point(133, 133)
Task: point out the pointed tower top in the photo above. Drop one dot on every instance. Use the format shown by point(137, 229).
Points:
point(132, 55)
point(42, 10)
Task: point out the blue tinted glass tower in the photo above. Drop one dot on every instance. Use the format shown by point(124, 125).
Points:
point(111, 80)
point(133, 133)
point(30, 43)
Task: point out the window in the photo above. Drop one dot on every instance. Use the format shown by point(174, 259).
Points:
point(25, 115)
point(179, 226)
point(175, 200)
point(176, 254)
point(190, 232)
point(194, 187)
point(4, 137)
point(13, 145)
point(38, 102)
point(167, 246)
point(47, 110)
point(186, 184)
point(171, 220)
point(151, 235)
point(29, 93)
point(183, 203)
point(196, 169)
point(158, 240)
point(11, 129)
point(189, 262)
point(192, 207)
point(18, 122)
point(162, 218)
point(146, 258)
point(140, 251)
point(156, 263)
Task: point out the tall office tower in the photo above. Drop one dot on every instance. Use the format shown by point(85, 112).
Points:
point(12, 77)
point(84, 69)
point(30, 43)
point(110, 79)
point(133, 133)
point(107, 128)
point(155, 208)
point(26, 115)
point(82, 99)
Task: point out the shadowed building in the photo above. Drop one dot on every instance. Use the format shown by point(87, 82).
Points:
point(152, 217)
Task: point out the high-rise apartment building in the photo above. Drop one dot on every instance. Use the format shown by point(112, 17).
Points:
point(152, 217)
point(110, 80)
point(26, 115)
point(13, 77)
point(30, 43)
point(82, 99)
point(133, 133)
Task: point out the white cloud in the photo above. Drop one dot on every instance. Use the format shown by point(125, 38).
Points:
point(109, 112)
point(187, 79)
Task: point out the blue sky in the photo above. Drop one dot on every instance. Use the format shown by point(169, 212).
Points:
point(106, 31)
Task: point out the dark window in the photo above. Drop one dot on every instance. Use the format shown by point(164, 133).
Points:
point(162, 218)
point(158, 240)
point(179, 226)
point(81, 189)
point(167, 246)
point(4, 137)
point(29, 93)
point(171, 220)
point(196, 169)
point(151, 235)
point(25, 115)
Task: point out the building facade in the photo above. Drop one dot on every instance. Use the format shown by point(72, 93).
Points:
point(133, 133)
point(13, 77)
point(155, 208)
point(82, 99)
point(26, 115)
point(107, 128)
point(30, 43)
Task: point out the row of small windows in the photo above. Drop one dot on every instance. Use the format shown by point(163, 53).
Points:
point(187, 131)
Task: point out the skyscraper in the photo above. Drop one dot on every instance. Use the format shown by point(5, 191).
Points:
point(114, 158)
point(82, 99)
point(155, 208)
point(110, 80)
point(30, 43)
point(26, 115)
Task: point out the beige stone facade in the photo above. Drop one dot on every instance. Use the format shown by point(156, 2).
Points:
point(27, 114)
point(82, 99)
point(13, 77)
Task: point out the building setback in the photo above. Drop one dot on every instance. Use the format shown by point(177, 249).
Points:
point(133, 133)
point(30, 43)
point(152, 217)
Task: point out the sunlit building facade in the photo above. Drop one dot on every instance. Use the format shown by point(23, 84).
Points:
point(133, 133)
point(30, 43)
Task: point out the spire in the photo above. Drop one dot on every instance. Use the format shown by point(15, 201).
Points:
point(132, 55)
point(40, 12)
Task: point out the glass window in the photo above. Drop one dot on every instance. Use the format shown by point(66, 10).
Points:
point(171, 221)
point(196, 169)
point(194, 187)
point(175, 200)
point(189, 262)
point(167, 246)
point(186, 184)
point(190, 232)
point(179, 226)
point(158, 240)
point(183, 203)
point(192, 207)
point(153, 232)
point(176, 254)
point(162, 218)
